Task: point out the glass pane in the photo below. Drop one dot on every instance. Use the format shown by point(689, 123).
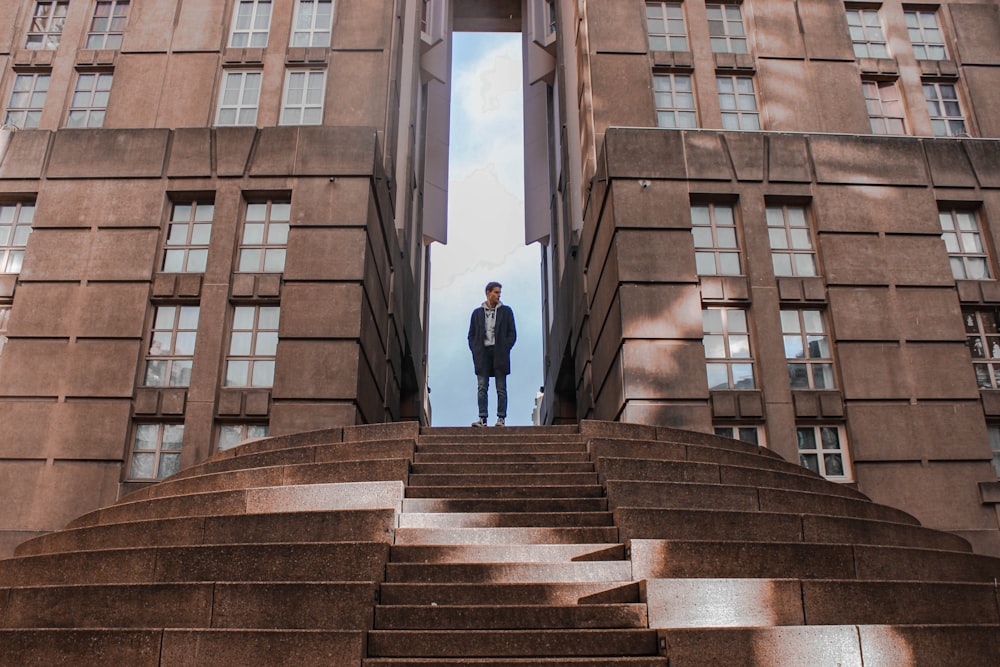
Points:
point(274, 260)
point(197, 261)
point(805, 265)
point(711, 320)
point(702, 237)
point(269, 317)
point(250, 260)
point(749, 434)
point(267, 344)
point(743, 376)
point(205, 213)
point(253, 233)
point(230, 435)
point(977, 268)
point(727, 237)
point(156, 374)
point(240, 344)
point(801, 239)
point(705, 263)
point(793, 347)
point(184, 343)
point(188, 317)
point(798, 376)
point(730, 264)
point(807, 438)
point(169, 465)
point(142, 466)
point(714, 347)
point(263, 374)
point(173, 261)
point(737, 320)
point(810, 461)
point(717, 376)
point(700, 216)
point(834, 465)
point(161, 343)
point(739, 346)
point(173, 436)
point(237, 373)
point(243, 317)
point(145, 436)
point(777, 237)
point(818, 347)
point(822, 376)
point(180, 373)
point(281, 211)
point(256, 212)
point(201, 234)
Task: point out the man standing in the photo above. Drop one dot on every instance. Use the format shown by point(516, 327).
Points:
point(491, 335)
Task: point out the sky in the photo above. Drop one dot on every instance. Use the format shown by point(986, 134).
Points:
point(485, 234)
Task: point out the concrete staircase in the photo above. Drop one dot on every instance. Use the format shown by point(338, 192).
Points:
point(592, 544)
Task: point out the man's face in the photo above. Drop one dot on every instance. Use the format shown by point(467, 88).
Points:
point(493, 297)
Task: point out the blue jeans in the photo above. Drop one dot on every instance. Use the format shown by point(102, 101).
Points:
point(484, 387)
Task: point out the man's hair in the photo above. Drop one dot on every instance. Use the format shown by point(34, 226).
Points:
point(491, 285)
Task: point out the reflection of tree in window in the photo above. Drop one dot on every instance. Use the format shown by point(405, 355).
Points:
point(821, 450)
point(982, 334)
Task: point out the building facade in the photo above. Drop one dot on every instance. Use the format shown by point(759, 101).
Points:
point(774, 220)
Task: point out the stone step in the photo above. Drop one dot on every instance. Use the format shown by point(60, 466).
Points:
point(651, 523)
point(653, 559)
point(516, 457)
point(325, 526)
point(271, 605)
point(489, 479)
point(512, 643)
point(606, 661)
point(153, 647)
point(508, 535)
point(679, 451)
point(604, 571)
point(942, 645)
point(514, 617)
point(540, 491)
point(505, 468)
point(477, 446)
point(505, 553)
point(339, 561)
point(504, 519)
point(508, 434)
point(463, 594)
point(592, 504)
point(556, 429)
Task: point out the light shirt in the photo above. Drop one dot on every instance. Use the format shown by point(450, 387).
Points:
point(491, 325)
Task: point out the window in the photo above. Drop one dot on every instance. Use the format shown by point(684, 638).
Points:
point(238, 99)
point(738, 103)
point(265, 236)
point(885, 107)
point(312, 23)
point(994, 431)
point(252, 346)
point(964, 243)
point(90, 99)
point(925, 35)
point(750, 434)
point(792, 251)
point(108, 24)
point(807, 349)
point(27, 100)
point(727, 348)
point(867, 35)
point(716, 250)
point(4, 321)
point(674, 97)
point(550, 16)
point(156, 451)
point(251, 23)
point(46, 25)
point(982, 335)
point(171, 346)
point(303, 97)
point(945, 111)
point(665, 26)
point(231, 435)
point(426, 7)
point(188, 235)
point(823, 449)
point(725, 28)
point(15, 227)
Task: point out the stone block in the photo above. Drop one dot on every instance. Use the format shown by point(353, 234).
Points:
point(140, 648)
point(826, 646)
point(108, 153)
point(898, 602)
point(326, 606)
point(677, 524)
point(653, 559)
point(231, 648)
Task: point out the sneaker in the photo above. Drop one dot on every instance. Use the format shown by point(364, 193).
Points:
point(480, 422)
point(500, 421)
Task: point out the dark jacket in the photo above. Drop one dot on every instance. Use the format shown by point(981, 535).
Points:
point(505, 334)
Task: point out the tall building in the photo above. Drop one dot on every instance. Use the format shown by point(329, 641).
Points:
point(772, 220)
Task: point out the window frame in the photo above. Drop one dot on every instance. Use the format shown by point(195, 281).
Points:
point(4, 324)
point(264, 246)
point(672, 41)
point(192, 228)
point(308, 35)
point(252, 31)
point(803, 337)
point(108, 37)
point(993, 431)
point(921, 31)
point(96, 103)
point(883, 111)
point(159, 452)
point(32, 111)
point(241, 104)
point(252, 356)
point(731, 356)
point(943, 123)
point(867, 40)
point(304, 107)
point(735, 110)
point(49, 30)
point(726, 34)
point(715, 248)
point(790, 248)
point(955, 239)
point(735, 432)
point(674, 110)
point(172, 360)
point(984, 345)
point(14, 241)
point(843, 450)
